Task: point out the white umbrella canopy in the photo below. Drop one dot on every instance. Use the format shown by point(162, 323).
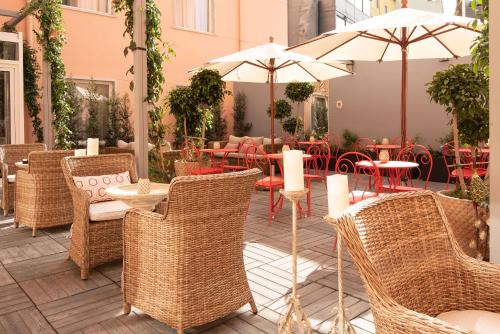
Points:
point(398, 35)
point(271, 63)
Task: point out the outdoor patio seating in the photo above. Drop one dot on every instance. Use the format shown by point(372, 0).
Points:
point(42, 195)
point(96, 236)
point(415, 178)
point(448, 151)
point(317, 168)
point(9, 155)
point(413, 268)
point(185, 267)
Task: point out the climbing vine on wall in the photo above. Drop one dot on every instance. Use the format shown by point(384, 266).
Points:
point(51, 38)
point(157, 52)
point(31, 71)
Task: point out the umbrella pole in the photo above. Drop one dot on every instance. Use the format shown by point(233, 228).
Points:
point(271, 97)
point(404, 89)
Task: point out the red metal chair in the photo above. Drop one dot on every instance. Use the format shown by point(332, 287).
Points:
point(191, 152)
point(240, 163)
point(260, 160)
point(316, 167)
point(362, 145)
point(448, 151)
point(364, 177)
point(415, 178)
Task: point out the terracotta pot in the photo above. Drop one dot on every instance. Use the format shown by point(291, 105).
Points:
point(461, 216)
point(183, 168)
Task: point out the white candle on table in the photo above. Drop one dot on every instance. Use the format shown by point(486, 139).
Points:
point(80, 152)
point(338, 195)
point(293, 170)
point(216, 145)
point(93, 146)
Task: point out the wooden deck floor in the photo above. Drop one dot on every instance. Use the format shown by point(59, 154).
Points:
point(41, 291)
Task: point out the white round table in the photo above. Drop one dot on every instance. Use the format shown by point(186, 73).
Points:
point(391, 164)
point(128, 194)
point(21, 165)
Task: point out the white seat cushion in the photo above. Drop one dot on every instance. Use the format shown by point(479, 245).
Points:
point(108, 210)
point(476, 321)
point(11, 178)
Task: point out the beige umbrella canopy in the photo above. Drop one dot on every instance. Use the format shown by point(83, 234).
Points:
point(398, 35)
point(271, 63)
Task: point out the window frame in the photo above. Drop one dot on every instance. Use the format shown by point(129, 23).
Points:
point(211, 20)
point(109, 12)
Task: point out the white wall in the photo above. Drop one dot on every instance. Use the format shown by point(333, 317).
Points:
point(495, 129)
point(371, 100)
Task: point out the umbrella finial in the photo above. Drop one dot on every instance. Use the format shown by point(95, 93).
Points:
point(404, 3)
point(271, 39)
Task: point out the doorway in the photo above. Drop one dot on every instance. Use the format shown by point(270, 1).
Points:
point(11, 89)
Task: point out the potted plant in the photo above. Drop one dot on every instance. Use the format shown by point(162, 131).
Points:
point(464, 93)
point(282, 110)
point(299, 92)
point(208, 90)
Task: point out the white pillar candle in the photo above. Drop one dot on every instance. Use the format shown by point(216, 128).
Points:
point(385, 141)
point(285, 148)
point(293, 170)
point(216, 145)
point(338, 195)
point(80, 152)
point(92, 146)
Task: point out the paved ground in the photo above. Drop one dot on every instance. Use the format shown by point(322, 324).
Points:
point(41, 292)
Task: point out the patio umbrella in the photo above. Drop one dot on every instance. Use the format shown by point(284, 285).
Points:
point(398, 35)
point(271, 63)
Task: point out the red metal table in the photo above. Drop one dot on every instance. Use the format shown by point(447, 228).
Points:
point(211, 152)
point(394, 168)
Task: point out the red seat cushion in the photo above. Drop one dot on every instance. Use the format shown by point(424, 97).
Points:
point(235, 167)
point(313, 176)
point(207, 170)
point(268, 181)
point(468, 172)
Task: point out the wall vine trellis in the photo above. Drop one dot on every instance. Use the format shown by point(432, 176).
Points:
point(157, 52)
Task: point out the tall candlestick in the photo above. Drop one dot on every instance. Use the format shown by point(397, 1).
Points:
point(338, 194)
point(293, 170)
point(92, 146)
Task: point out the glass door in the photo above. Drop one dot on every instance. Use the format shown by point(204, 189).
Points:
point(6, 104)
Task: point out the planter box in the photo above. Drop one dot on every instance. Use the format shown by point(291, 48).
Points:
point(461, 216)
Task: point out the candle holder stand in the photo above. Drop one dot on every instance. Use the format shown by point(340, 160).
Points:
point(340, 324)
point(294, 313)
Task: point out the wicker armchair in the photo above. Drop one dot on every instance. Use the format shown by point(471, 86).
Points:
point(185, 267)
point(9, 155)
point(94, 242)
point(42, 195)
point(412, 266)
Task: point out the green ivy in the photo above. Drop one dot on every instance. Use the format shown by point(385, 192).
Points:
point(51, 38)
point(481, 45)
point(31, 74)
point(157, 52)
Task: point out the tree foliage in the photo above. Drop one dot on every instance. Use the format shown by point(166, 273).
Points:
point(119, 127)
point(282, 109)
point(185, 109)
point(240, 127)
point(218, 125)
point(293, 125)
point(463, 91)
point(481, 46)
point(299, 91)
point(93, 103)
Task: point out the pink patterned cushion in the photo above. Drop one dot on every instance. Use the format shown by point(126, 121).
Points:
point(96, 186)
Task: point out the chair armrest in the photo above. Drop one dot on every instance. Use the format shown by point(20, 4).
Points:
point(482, 284)
point(396, 319)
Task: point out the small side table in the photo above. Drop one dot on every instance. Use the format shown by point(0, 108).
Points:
point(128, 194)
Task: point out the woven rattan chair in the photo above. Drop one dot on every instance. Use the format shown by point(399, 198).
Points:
point(42, 194)
point(94, 243)
point(412, 267)
point(185, 267)
point(9, 155)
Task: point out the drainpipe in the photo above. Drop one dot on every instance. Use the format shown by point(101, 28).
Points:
point(238, 28)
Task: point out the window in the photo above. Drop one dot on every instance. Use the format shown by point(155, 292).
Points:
point(319, 115)
point(102, 6)
point(194, 14)
point(9, 50)
point(81, 93)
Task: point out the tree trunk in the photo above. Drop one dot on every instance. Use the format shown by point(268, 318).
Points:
point(203, 128)
point(456, 146)
point(185, 129)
